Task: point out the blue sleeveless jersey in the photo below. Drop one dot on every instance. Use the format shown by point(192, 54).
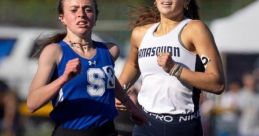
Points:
point(86, 100)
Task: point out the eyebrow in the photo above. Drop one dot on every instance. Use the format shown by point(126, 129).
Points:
point(85, 6)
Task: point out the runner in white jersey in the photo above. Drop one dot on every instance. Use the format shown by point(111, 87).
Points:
point(168, 95)
point(176, 56)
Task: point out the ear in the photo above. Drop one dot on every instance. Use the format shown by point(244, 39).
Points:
point(61, 18)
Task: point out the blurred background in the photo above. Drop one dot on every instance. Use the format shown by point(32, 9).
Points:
point(234, 24)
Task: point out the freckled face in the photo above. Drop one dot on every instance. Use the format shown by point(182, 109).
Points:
point(170, 8)
point(79, 16)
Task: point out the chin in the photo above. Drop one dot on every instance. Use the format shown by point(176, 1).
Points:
point(83, 31)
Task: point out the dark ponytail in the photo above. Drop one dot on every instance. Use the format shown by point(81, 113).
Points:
point(42, 43)
point(192, 10)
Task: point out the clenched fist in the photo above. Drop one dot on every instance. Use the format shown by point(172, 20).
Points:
point(72, 68)
point(165, 61)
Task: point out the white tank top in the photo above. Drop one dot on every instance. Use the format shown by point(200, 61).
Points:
point(160, 92)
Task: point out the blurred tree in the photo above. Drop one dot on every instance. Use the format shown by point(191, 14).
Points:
point(27, 13)
point(211, 9)
point(43, 13)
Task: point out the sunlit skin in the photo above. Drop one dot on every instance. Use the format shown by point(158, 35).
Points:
point(79, 18)
point(171, 9)
point(196, 38)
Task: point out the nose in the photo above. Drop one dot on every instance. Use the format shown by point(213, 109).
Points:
point(80, 13)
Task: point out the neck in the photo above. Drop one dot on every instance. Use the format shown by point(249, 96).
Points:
point(167, 25)
point(77, 42)
point(171, 20)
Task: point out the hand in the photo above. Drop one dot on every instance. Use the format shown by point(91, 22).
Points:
point(165, 61)
point(73, 67)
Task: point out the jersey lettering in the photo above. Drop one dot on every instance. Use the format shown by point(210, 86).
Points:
point(111, 77)
point(96, 80)
point(150, 52)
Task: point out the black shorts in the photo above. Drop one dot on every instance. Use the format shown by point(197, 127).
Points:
point(170, 125)
point(107, 129)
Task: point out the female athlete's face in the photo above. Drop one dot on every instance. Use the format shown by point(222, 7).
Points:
point(79, 16)
point(170, 8)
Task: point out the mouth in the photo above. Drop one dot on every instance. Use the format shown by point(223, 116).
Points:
point(82, 23)
point(166, 3)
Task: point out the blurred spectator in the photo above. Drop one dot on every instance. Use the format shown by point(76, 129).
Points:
point(256, 73)
point(8, 110)
point(248, 103)
point(207, 105)
point(228, 113)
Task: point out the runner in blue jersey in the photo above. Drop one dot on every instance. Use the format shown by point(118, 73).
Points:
point(77, 75)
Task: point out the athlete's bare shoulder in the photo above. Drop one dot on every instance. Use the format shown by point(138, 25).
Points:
point(196, 26)
point(52, 49)
point(138, 33)
point(51, 52)
point(114, 49)
point(141, 30)
point(195, 29)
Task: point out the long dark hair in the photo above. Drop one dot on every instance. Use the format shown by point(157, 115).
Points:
point(59, 36)
point(149, 14)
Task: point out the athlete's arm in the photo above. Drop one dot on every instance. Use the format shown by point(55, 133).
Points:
point(131, 72)
point(199, 40)
point(41, 91)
